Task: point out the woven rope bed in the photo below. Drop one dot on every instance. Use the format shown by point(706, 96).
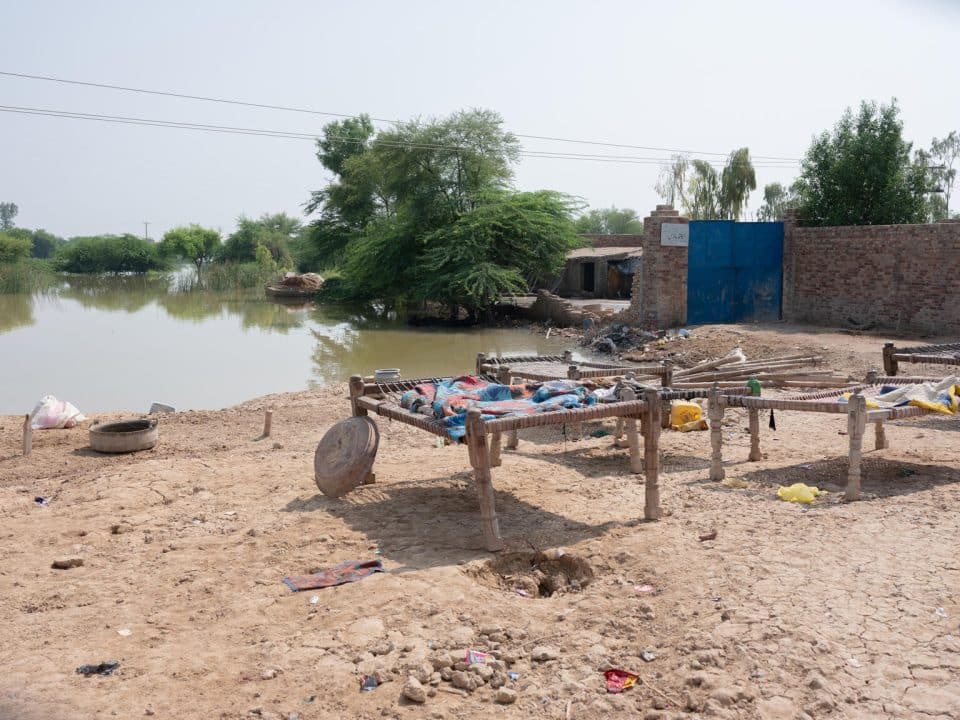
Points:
point(858, 415)
point(383, 399)
point(946, 354)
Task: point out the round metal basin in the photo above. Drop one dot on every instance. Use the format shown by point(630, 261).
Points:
point(124, 436)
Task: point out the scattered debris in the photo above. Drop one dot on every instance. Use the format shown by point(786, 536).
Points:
point(619, 680)
point(543, 653)
point(104, 669)
point(124, 632)
point(800, 493)
point(368, 683)
point(732, 482)
point(648, 656)
point(940, 612)
point(346, 572)
point(41, 500)
point(599, 433)
point(712, 535)
point(51, 413)
point(644, 589)
point(475, 656)
point(66, 563)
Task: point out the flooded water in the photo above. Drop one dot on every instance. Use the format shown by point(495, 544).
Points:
point(122, 343)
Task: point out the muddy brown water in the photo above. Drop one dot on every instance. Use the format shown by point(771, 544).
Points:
point(123, 343)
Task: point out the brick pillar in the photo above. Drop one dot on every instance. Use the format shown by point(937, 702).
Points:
point(660, 288)
point(791, 220)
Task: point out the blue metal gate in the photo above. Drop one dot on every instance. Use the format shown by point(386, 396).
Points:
point(734, 271)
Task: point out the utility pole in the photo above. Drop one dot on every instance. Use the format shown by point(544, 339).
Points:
point(145, 226)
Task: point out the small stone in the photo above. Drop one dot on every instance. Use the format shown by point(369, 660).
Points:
point(422, 672)
point(446, 673)
point(505, 696)
point(414, 691)
point(440, 661)
point(497, 680)
point(542, 653)
point(431, 692)
point(464, 681)
point(268, 674)
point(66, 563)
point(490, 629)
point(484, 671)
point(816, 681)
point(252, 532)
point(725, 696)
point(384, 647)
point(278, 446)
point(497, 637)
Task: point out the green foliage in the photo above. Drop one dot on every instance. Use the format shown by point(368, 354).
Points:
point(610, 221)
point(8, 211)
point(702, 200)
point(776, 200)
point(273, 232)
point(736, 183)
point(109, 254)
point(862, 173)
point(25, 276)
point(44, 244)
point(423, 212)
point(14, 245)
point(710, 195)
point(197, 244)
point(944, 153)
point(497, 248)
point(672, 181)
point(230, 276)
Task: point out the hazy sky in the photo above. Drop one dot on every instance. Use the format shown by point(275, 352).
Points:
point(704, 76)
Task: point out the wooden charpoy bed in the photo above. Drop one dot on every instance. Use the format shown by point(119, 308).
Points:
point(946, 354)
point(383, 399)
point(858, 415)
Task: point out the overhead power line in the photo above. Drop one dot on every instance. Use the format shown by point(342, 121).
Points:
point(310, 111)
point(292, 135)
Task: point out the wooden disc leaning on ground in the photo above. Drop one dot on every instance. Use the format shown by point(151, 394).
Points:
point(345, 455)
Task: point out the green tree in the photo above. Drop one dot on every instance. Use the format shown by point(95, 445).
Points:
point(862, 173)
point(737, 181)
point(273, 232)
point(610, 221)
point(8, 211)
point(944, 153)
point(14, 246)
point(44, 244)
point(197, 244)
point(776, 200)
point(702, 200)
point(115, 254)
point(672, 181)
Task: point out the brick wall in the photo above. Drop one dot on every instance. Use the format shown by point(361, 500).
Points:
point(902, 277)
point(604, 241)
point(660, 289)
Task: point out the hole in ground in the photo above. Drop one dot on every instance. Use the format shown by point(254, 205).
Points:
point(535, 574)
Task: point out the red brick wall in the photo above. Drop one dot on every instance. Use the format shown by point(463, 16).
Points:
point(902, 277)
point(660, 289)
point(604, 241)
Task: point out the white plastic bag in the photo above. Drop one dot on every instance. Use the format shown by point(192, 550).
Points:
point(52, 413)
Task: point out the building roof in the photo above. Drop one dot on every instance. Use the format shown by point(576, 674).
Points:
point(604, 253)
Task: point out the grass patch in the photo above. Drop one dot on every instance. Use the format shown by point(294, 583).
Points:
point(27, 276)
point(227, 276)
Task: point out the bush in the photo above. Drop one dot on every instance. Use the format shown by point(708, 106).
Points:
point(26, 276)
point(230, 276)
point(15, 245)
point(109, 254)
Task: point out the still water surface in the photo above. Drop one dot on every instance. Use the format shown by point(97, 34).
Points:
point(122, 343)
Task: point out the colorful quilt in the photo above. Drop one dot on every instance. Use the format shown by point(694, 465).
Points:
point(449, 400)
point(942, 396)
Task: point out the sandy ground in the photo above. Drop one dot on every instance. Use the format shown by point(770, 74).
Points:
point(836, 610)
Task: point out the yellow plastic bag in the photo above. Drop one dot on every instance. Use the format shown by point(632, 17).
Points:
point(700, 424)
point(800, 493)
point(683, 412)
point(732, 482)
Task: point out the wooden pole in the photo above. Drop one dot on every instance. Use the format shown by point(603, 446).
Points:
point(665, 405)
point(267, 422)
point(513, 436)
point(651, 455)
point(27, 435)
point(481, 361)
point(479, 457)
point(754, 414)
point(856, 424)
point(880, 436)
point(889, 361)
point(495, 442)
point(618, 433)
point(633, 438)
point(356, 392)
point(715, 413)
point(568, 356)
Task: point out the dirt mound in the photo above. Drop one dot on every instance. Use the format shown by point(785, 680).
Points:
point(536, 574)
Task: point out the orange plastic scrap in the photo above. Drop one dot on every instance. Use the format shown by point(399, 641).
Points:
point(619, 680)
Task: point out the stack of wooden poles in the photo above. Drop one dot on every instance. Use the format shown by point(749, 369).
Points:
point(733, 371)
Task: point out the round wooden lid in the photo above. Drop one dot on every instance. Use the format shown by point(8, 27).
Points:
point(345, 455)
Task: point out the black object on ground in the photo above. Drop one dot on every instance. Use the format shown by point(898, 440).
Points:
point(104, 668)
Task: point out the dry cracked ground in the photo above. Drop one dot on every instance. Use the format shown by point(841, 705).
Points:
point(834, 610)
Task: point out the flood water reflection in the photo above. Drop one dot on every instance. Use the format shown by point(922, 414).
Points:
point(122, 343)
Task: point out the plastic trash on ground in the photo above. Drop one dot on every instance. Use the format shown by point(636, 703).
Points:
point(683, 412)
point(51, 413)
point(800, 493)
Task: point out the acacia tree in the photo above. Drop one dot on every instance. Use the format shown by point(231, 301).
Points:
point(610, 221)
point(197, 244)
point(862, 172)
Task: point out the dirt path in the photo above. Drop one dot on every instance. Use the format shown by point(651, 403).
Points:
point(837, 610)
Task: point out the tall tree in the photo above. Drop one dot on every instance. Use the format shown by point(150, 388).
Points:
point(610, 221)
point(862, 173)
point(944, 153)
point(737, 181)
point(776, 199)
point(702, 200)
point(672, 181)
point(8, 211)
point(197, 244)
